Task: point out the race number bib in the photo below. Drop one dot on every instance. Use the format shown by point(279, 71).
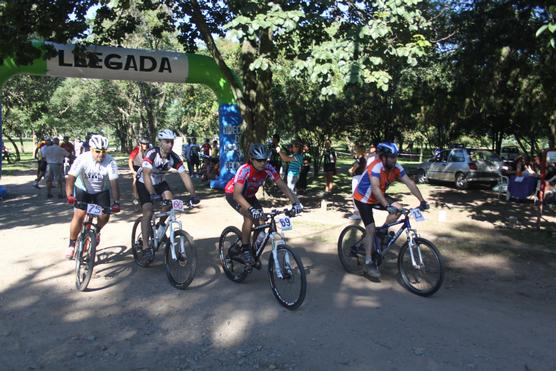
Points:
point(285, 223)
point(418, 215)
point(177, 204)
point(93, 209)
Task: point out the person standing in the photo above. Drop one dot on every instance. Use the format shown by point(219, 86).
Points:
point(194, 155)
point(294, 161)
point(329, 165)
point(41, 163)
point(357, 168)
point(302, 182)
point(275, 159)
point(54, 156)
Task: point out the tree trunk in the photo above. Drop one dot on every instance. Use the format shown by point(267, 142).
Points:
point(14, 144)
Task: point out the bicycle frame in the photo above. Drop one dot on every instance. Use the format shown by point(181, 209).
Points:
point(411, 235)
point(172, 224)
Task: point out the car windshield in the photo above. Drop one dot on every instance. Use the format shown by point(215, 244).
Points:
point(483, 155)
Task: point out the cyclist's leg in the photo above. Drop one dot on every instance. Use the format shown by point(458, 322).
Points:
point(147, 209)
point(103, 199)
point(366, 212)
point(48, 177)
point(163, 189)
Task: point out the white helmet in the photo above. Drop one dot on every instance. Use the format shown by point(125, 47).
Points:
point(166, 134)
point(98, 142)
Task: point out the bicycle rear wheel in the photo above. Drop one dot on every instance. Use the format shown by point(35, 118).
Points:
point(181, 265)
point(350, 251)
point(233, 268)
point(290, 286)
point(425, 273)
point(85, 259)
point(142, 258)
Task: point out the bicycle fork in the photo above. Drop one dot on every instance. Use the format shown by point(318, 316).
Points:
point(416, 261)
point(278, 240)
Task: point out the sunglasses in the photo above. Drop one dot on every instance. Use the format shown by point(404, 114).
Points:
point(98, 150)
point(258, 160)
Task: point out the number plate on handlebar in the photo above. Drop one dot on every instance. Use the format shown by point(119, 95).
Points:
point(94, 209)
point(285, 223)
point(418, 215)
point(177, 204)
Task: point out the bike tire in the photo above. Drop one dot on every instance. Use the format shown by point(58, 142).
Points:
point(85, 260)
point(290, 280)
point(234, 270)
point(137, 245)
point(408, 280)
point(186, 263)
point(351, 235)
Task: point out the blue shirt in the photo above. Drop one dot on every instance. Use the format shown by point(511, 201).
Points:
point(295, 165)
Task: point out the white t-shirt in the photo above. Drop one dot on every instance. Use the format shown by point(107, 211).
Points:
point(159, 166)
point(54, 154)
point(92, 176)
point(370, 158)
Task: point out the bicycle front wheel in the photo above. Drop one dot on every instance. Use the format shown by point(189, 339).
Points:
point(350, 250)
point(420, 267)
point(181, 260)
point(85, 259)
point(142, 258)
point(287, 278)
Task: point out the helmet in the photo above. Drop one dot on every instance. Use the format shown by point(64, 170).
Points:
point(257, 151)
point(166, 134)
point(387, 148)
point(144, 140)
point(98, 141)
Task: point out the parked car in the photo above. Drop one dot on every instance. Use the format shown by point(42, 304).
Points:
point(461, 166)
point(509, 153)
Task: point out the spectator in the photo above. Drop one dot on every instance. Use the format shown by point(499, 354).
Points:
point(194, 155)
point(275, 159)
point(302, 182)
point(54, 156)
point(329, 165)
point(41, 163)
point(295, 161)
point(357, 168)
point(186, 154)
point(371, 154)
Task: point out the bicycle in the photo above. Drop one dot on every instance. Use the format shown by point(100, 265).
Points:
point(180, 258)
point(416, 259)
point(284, 266)
point(8, 156)
point(85, 252)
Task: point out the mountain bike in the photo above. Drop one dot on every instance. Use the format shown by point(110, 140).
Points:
point(85, 252)
point(180, 255)
point(285, 269)
point(419, 262)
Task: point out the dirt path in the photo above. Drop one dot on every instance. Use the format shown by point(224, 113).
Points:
point(496, 310)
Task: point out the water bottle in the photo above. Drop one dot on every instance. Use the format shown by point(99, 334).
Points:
point(260, 239)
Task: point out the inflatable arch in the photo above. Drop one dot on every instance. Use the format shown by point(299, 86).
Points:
point(110, 63)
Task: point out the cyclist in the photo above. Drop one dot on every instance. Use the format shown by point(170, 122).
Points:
point(134, 162)
point(94, 175)
point(370, 191)
point(151, 185)
point(241, 191)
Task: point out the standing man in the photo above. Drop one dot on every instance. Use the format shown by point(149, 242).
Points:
point(295, 161)
point(194, 155)
point(54, 156)
point(275, 159)
point(329, 165)
point(94, 175)
point(41, 164)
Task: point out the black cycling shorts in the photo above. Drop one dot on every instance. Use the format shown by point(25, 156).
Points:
point(83, 198)
point(233, 203)
point(145, 196)
point(366, 210)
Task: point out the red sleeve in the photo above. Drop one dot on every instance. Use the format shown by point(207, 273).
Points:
point(134, 153)
point(271, 171)
point(242, 175)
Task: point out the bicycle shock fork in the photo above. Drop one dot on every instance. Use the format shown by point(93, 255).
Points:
point(278, 240)
point(411, 235)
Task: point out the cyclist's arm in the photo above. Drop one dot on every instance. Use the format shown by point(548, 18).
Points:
point(284, 188)
point(115, 188)
point(147, 180)
point(70, 182)
point(238, 196)
point(187, 182)
point(130, 165)
point(412, 187)
point(377, 192)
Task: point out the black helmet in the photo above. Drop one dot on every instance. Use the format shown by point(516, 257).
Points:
point(257, 151)
point(144, 140)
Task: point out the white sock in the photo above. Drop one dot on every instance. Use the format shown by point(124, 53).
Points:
point(368, 259)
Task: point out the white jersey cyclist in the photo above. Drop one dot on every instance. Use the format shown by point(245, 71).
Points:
point(92, 176)
point(159, 166)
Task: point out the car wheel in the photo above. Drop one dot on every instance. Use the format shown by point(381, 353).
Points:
point(421, 176)
point(461, 182)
